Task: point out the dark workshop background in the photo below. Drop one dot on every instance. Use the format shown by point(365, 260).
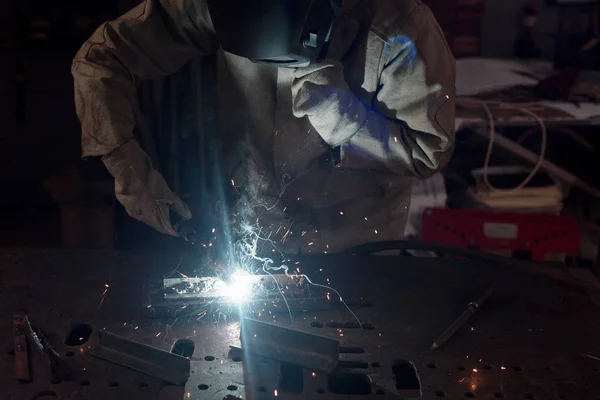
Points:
point(49, 197)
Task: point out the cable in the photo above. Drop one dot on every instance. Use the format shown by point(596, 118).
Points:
point(492, 132)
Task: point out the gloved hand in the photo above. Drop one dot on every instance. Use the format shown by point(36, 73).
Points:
point(320, 92)
point(143, 191)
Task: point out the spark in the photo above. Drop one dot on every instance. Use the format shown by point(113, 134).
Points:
point(376, 232)
point(232, 183)
point(475, 370)
point(472, 329)
point(502, 367)
point(461, 380)
point(447, 96)
point(213, 230)
point(366, 219)
point(395, 139)
point(341, 213)
point(106, 287)
point(275, 392)
point(311, 243)
point(81, 339)
point(314, 374)
point(591, 357)
point(136, 328)
point(157, 335)
point(188, 395)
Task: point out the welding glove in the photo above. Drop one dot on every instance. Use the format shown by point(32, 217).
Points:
point(320, 93)
point(143, 191)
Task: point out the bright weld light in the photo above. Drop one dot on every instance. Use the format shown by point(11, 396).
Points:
point(239, 287)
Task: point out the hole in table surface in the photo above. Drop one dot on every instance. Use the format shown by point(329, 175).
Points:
point(232, 387)
point(183, 347)
point(209, 358)
point(78, 335)
point(407, 379)
point(69, 354)
point(203, 386)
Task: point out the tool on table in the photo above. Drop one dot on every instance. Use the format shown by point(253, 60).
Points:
point(466, 315)
point(58, 368)
point(22, 371)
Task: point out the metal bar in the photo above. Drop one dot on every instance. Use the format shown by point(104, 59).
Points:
point(143, 358)
point(22, 372)
point(289, 346)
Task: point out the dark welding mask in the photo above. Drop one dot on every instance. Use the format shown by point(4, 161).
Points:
point(285, 33)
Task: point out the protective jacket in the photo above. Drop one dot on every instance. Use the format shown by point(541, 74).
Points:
point(332, 148)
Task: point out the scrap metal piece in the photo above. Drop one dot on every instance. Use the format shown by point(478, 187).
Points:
point(266, 292)
point(260, 286)
point(142, 358)
point(58, 368)
point(22, 371)
point(289, 346)
point(465, 316)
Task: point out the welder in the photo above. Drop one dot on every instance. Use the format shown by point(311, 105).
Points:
point(338, 104)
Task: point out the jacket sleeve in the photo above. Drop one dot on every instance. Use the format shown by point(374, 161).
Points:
point(411, 124)
point(152, 40)
point(409, 128)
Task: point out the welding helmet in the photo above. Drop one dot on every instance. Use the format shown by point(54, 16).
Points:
point(285, 33)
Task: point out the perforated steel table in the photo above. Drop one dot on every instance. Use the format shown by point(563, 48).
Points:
point(534, 339)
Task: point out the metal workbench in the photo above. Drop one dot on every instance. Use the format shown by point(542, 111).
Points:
point(534, 339)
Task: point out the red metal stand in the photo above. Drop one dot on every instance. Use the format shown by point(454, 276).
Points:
point(539, 234)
